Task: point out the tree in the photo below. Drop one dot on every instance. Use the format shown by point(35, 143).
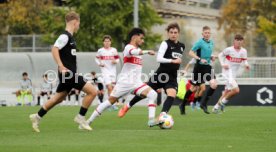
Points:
point(21, 17)
point(115, 18)
point(253, 17)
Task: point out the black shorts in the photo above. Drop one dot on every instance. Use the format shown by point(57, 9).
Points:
point(76, 82)
point(100, 86)
point(202, 74)
point(165, 81)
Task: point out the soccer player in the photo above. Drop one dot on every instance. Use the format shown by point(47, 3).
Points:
point(25, 90)
point(202, 52)
point(169, 56)
point(231, 60)
point(45, 89)
point(99, 82)
point(129, 80)
point(64, 53)
point(107, 57)
point(76, 93)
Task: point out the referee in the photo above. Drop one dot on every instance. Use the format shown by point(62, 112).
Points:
point(203, 72)
point(64, 53)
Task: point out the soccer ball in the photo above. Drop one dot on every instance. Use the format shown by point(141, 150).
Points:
point(167, 121)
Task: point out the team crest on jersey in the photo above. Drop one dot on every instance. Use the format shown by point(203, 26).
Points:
point(176, 55)
point(74, 52)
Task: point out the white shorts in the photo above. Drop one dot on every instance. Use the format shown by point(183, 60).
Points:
point(231, 84)
point(121, 89)
point(109, 79)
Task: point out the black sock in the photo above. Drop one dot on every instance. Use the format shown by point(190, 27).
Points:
point(159, 98)
point(187, 96)
point(100, 96)
point(167, 104)
point(69, 97)
point(198, 99)
point(38, 100)
point(135, 100)
point(83, 111)
point(42, 112)
point(210, 92)
point(77, 97)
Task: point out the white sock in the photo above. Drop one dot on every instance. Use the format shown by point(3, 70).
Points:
point(128, 105)
point(152, 108)
point(151, 96)
point(98, 111)
point(224, 101)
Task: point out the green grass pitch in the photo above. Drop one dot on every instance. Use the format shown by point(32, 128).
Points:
point(239, 129)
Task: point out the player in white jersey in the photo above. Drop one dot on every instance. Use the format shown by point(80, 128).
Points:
point(129, 80)
point(45, 89)
point(107, 57)
point(25, 90)
point(231, 60)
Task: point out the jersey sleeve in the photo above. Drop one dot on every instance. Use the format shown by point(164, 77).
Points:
point(226, 51)
point(161, 52)
point(61, 41)
point(131, 51)
point(98, 57)
point(196, 46)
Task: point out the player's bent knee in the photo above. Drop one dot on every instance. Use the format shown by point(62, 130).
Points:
point(152, 95)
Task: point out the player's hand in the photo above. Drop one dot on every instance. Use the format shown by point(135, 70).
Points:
point(203, 61)
point(114, 62)
point(151, 52)
point(63, 69)
point(176, 61)
point(225, 66)
point(101, 65)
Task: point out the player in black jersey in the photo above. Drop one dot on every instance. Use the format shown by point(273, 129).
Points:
point(169, 56)
point(64, 53)
point(99, 83)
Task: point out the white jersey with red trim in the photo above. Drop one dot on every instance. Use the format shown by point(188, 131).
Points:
point(132, 68)
point(234, 59)
point(105, 57)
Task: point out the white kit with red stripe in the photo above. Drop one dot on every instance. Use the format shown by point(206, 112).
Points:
point(106, 56)
point(129, 80)
point(234, 59)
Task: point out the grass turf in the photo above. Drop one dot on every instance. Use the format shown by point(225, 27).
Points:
point(240, 129)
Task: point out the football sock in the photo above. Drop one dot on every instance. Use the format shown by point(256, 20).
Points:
point(98, 111)
point(167, 104)
point(83, 111)
point(134, 100)
point(41, 112)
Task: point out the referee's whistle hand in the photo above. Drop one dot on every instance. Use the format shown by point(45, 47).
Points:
point(63, 69)
point(203, 61)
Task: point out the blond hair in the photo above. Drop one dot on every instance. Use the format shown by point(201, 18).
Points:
point(71, 16)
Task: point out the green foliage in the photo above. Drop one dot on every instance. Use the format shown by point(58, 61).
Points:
point(21, 17)
point(115, 18)
point(249, 15)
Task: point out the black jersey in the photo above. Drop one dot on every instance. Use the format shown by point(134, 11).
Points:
point(68, 53)
point(174, 51)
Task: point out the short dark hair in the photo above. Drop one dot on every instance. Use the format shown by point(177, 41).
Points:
point(134, 31)
point(172, 26)
point(45, 75)
point(107, 37)
point(206, 28)
point(24, 74)
point(238, 37)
